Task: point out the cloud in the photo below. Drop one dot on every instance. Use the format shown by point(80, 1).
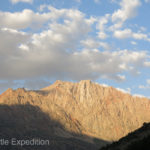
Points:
point(148, 81)
point(102, 35)
point(22, 20)
point(97, 1)
point(133, 43)
point(63, 49)
point(36, 84)
point(24, 1)
point(147, 63)
point(9, 41)
point(146, 86)
point(147, 1)
point(24, 47)
point(128, 91)
point(79, 1)
point(128, 10)
point(127, 33)
point(29, 84)
point(28, 19)
point(101, 26)
point(53, 54)
point(94, 44)
point(122, 34)
point(121, 77)
point(42, 49)
point(139, 95)
point(5, 84)
point(142, 87)
point(113, 22)
point(103, 84)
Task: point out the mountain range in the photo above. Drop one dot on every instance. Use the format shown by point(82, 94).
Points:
point(81, 115)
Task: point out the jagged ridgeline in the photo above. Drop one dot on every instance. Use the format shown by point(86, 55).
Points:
point(81, 115)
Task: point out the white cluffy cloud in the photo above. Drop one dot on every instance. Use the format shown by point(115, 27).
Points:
point(62, 49)
point(148, 81)
point(93, 44)
point(127, 33)
point(25, 1)
point(146, 86)
point(101, 26)
point(128, 10)
point(133, 43)
point(127, 91)
point(139, 96)
point(35, 20)
point(21, 20)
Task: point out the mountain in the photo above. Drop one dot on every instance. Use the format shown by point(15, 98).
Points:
point(25, 122)
point(138, 140)
point(88, 113)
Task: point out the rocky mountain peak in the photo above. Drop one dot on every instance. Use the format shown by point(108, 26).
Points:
point(87, 82)
point(9, 90)
point(58, 82)
point(87, 108)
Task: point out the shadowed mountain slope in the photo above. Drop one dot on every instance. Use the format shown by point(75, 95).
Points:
point(137, 140)
point(86, 108)
point(27, 122)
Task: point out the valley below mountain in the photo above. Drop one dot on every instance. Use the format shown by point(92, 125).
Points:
point(83, 115)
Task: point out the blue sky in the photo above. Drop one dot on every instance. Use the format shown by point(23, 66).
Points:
point(106, 41)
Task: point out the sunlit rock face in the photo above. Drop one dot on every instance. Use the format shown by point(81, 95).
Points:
point(86, 108)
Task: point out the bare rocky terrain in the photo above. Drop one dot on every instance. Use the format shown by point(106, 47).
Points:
point(136, 140)
point(88, 114)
